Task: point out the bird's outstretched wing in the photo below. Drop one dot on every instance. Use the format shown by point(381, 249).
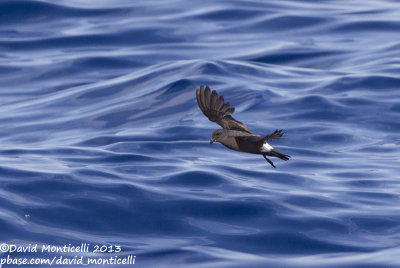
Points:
point(217, 110)
point(277, 134)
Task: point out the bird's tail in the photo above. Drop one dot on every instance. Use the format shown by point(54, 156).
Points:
point(282, 156)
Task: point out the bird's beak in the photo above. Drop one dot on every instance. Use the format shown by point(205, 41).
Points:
point(211, 141)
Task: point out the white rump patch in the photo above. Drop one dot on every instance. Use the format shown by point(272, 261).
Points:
point(266, 148)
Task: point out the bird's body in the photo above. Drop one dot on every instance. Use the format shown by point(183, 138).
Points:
point(235, 135)
point(242, 144)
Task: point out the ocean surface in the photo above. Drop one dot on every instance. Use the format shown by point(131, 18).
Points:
point(102, 141)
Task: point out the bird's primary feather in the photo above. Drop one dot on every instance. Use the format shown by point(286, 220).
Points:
point(217, 110)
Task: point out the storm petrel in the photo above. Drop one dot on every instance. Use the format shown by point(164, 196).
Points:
point(234, 134)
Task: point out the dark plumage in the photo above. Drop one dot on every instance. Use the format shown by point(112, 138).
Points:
point(234, 134)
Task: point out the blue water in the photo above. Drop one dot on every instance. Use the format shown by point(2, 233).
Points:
point(102, 141)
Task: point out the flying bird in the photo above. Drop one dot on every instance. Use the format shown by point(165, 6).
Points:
point(234, 134)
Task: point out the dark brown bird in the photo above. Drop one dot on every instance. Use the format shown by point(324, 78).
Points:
point(234, 134)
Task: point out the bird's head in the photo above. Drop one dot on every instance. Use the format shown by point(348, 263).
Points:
point(217, 135)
